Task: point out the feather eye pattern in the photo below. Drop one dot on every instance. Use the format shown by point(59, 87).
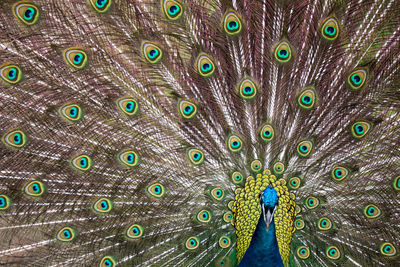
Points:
point(144, 133)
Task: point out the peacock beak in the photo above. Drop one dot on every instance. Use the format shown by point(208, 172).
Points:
point(268, 213)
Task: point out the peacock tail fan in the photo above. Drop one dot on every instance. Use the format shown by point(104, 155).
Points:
point(181, 133)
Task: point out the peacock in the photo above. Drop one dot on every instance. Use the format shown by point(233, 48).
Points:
point(200, 133)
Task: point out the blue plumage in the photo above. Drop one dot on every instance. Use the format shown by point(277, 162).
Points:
point(263, 249)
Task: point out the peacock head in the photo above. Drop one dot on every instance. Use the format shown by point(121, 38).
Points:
point(268, 201)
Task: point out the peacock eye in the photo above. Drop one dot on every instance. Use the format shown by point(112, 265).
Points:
point(228, 216)
point(195, 156)
point(307, 98)
point(304, 148)
point(192, 243)
point(256, 165)
point(224, 241)
point(151, 52)
point(303, 252)
point(330, 29)
point(324, 224)
point(388, 249)
point(267, 132)
point(339, 173)
point(71, 112)
point(333, 253)
point(66, 234)
point(234, 143)
point(26, 13)
point(34, 189)
point(217, 193)
point(205, 66)
point(279, 168)
point(204, 216)
point(312, 202)
point(10, 73)
point(232, 23)
point(103, 205)
point(156, 190)
point(357, 79)
point(187, 109)
point(360, 129)
point(294, 183)
point(283, 52)
point(372, 212)
point(81, 162)
point(4, 202)
point(299, 224)
point(128, 158)
point(15, 139)
point(247, 89)
point(134, 231)
point(101, 6)
point(173, 9)
point(75, 57)
point(107, 261)
point(237, 177)
point(128, 106)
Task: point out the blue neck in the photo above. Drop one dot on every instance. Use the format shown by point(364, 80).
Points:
point(263, 250)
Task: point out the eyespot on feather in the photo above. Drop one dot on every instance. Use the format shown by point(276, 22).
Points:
point(128, 106)
point(234, 143)
point(237, 177)
point(333, 252)
point(312, 202)
point(232, 23)
point(195, 156)
point(103, 206)
point(66, 234)
point(279, 168)
point(5, 202)
point(15, 139)
point(304, 148)
point(27, 13)
point(307, 98)
point(107, 261)
point(192, 243)
point(34, 188)
point(283, 52)
point(187, 109)
point(294, 183)
point(360, 129)
point(205, 65)
point(128, 158)
point(224, 241)
point(71, 112)
point(151, 52)
point(156, 190)
point(75, 57)
point(10, 73)
point(101, 6)
point(247, 89)
point(387, 249)
point(172, 9)
point(357, 79)
point(330, 29)
point(134, 231)
point(204, 216)
point(303, 252)
point(339, 173)
point(256, 165)
point(81, 163)
point(267, 132)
